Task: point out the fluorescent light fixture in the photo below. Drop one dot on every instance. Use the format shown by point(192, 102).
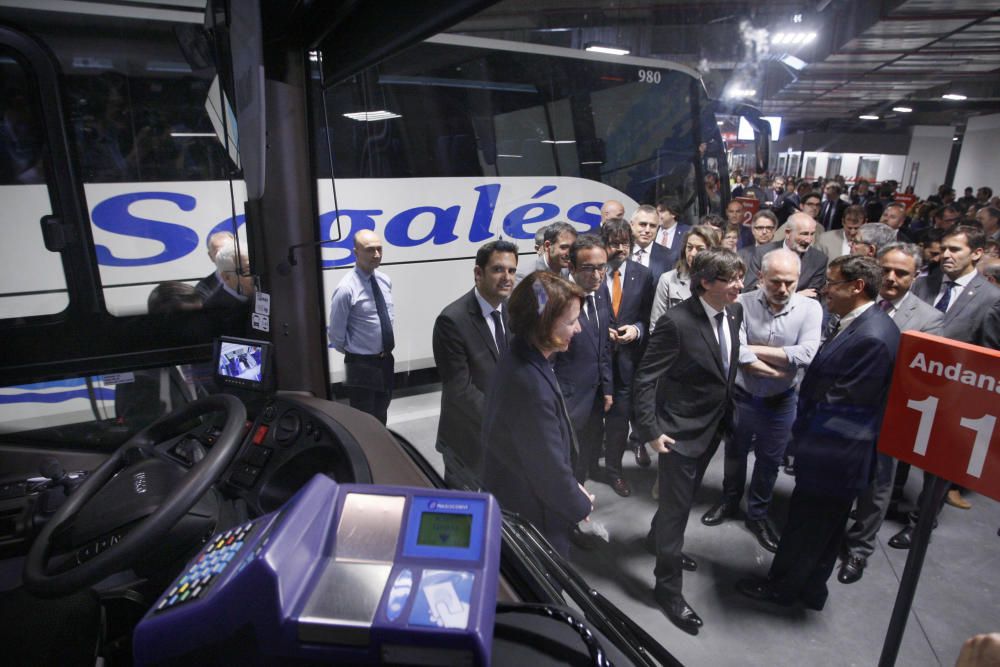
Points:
point(954, 138)
point(558, 141)
point(371, 116)
point(508, 155)
point(741, 92)
point(166, 66)
point(609, 50)
point(954, 96)
point(314, 56)
point(193, 134)
point(720, 123)
point(810, 37)
point(868, 116)
point(794, 38)
point(902, 109)
point(795, 63)
point(592, 162)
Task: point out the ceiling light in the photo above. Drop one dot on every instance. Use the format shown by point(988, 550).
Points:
point(866, 116)
point(372, 116)
point(609, 50)
point(797, 38)
point(795, 63)
point(902, 109)
point(508, 155)
point(592, 162)
point(192, 134)
point(558, 141)
point(954, 96)
point(741, 92)
point(720, 123)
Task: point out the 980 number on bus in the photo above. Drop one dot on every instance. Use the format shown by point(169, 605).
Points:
point(649, 76)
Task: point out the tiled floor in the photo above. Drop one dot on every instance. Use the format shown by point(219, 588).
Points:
point(958, 594)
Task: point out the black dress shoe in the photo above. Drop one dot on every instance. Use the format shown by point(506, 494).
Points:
point(764, 532)
point(761, 589)
point(719, 513)
point(584, 541)
point(903, 539)
point(679, 612)
point(688, 563)
point(621, 486)
point(852, 569)
point(642, 456)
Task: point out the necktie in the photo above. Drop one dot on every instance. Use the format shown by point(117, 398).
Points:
point(723, 348)
point(664, 239)
point(827, 214)
point(616, 291)
point(499, 334)
point(885, 305)
point(592, 311)
point(388, 339)
point(945, 299)
point(638, 254)
point(832, 327)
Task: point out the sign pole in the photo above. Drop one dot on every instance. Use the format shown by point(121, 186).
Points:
point(911, 573)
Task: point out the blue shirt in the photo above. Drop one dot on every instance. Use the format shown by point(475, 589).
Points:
point(354, 325)
point(795, 329)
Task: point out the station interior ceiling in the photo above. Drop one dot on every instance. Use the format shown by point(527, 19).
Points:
point(866, 56)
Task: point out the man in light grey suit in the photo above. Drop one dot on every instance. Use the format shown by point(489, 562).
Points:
point(968, 302)
point(554, 253)
point(837, 242)
point(900, 264)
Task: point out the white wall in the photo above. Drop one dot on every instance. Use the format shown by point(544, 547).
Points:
point(931, 148)
point(889, 166)
point(978, 164)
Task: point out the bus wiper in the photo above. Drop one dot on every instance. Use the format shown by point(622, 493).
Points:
point(549, 577)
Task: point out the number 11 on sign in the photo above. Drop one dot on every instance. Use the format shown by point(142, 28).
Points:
point(983, 428)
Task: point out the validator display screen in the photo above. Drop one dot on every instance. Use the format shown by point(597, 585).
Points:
point(438, 529)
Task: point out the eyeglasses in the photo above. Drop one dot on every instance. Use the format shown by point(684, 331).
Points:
point(591, 268)
point(730, 281)
point(765, 228)
point(619, 244)
point(837, 282)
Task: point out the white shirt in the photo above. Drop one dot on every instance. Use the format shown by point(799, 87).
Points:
point(960, 284)
point(641, 255)
point(849, 318)
point(712, 312)
point(665, 237)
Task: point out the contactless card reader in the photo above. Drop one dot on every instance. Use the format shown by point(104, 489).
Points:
point(358, 574)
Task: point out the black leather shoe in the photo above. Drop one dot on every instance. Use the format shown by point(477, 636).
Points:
point(583, 541)
point(852, 569)
point(903, 539)
point(688, 563)
point(679, 612)
point(760, 589)
point(764, 532)
point(621, 486)
point(642, 456)
point(719, 513)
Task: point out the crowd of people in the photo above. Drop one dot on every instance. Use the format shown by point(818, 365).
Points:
point(773, 331)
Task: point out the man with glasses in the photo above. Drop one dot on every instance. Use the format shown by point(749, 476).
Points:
point(683, 406)
point(762, 227)
point(841, 401)
point(631, 290)
point(584, 370)
point(871, 238)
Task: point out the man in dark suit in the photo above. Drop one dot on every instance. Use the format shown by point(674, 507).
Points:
point(212, 282)
point(470, 335)
point(967, 299)
point(645, 223)
point(832, 210)
point(841, 401)
point(671, 232)
point(631, 291)
point(799, 238)
point(584, 370)
point(683, 405)
point(900, 264)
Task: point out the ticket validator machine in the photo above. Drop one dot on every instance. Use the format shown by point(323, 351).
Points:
point(342, 574)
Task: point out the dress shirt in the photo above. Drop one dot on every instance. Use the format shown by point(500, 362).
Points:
point(796, 329)
point(849, 318)
point(665, 237)
point(487, 311)
point(960, 284)
point(354, 324)
point(712, 312)
point(641, 255)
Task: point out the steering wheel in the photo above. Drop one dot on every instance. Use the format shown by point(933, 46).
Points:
point(143, 535)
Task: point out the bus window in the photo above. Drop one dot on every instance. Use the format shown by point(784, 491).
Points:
point(32, 278)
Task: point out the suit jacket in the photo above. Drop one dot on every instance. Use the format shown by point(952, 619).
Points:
point(680, 389)
point(528, 460)
point(659, 261)
point(538, 265)
point(637, 301)
point(675, 249)
point(912, 314)
point(832, 219)
point(207, 285)
point(466, 356)
point(967, 320)
point(841, 401)
point(584, 370)
point(831, 243)
point(813, 274)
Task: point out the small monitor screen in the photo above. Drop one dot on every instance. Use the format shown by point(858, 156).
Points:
point(445, 530)
point(242, 361)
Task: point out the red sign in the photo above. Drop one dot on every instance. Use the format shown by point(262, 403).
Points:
point(750, 206)
point(907, 200)
point(942, 411)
